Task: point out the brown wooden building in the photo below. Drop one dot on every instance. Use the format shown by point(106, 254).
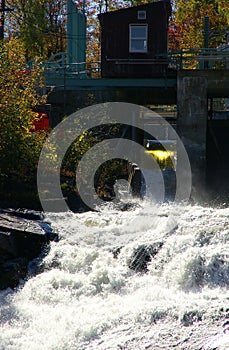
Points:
point(134, 41)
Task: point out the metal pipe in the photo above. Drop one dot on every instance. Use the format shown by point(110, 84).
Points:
point(206, 32)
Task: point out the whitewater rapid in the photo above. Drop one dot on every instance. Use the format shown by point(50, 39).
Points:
point(84, 298)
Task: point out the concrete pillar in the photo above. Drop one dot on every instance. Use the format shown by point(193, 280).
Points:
point(192, 122)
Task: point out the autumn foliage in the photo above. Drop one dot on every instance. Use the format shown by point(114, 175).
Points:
point(19, 146)
point(187, 24)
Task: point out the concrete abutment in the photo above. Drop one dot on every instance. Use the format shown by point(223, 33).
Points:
point(192, 112)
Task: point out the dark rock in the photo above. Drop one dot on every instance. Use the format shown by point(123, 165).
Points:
point(128, 206)
point(116, 251)
point(24, 213)
point(22, 238)
point(190, 317)
point(22, 244)
point(50, 235)
point(157, 316)
point(142, 255)
point(12, 271)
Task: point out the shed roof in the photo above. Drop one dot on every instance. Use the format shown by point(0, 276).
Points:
point(138, 7)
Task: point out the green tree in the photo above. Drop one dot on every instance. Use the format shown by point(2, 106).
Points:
point(19, 144)
point(189, 19)
point(224, 9)
point(40, 24)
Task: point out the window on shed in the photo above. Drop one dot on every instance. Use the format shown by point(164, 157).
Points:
point(138, 38)
point(141, 14)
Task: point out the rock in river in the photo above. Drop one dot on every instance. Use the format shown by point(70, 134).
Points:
point(23, 237)
point(142, 255)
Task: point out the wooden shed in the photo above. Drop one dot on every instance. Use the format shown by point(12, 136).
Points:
point(134, 41)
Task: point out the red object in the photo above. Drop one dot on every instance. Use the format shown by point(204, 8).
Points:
point(43, 123)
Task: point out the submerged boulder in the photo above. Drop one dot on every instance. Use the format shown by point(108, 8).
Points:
point(142, 255)
point(23, 237)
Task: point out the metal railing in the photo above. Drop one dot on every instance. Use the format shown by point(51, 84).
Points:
point(80, 70)
point(197, 58)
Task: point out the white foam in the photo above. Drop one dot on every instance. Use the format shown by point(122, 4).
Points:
point(84, 294)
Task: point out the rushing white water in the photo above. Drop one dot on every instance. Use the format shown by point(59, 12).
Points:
point(84, 298)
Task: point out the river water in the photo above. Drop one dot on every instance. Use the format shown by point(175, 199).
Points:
point(84, 298)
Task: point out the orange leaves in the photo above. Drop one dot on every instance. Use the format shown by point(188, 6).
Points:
point(189, 16)
point(18, 96)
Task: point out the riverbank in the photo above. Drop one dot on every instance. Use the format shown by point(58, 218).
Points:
point(24, 236)
point(18, 194)
point(15, 194)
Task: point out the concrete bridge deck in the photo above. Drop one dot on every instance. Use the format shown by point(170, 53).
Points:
point(217, 80)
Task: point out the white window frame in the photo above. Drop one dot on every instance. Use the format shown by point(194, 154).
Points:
point(145, 25)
